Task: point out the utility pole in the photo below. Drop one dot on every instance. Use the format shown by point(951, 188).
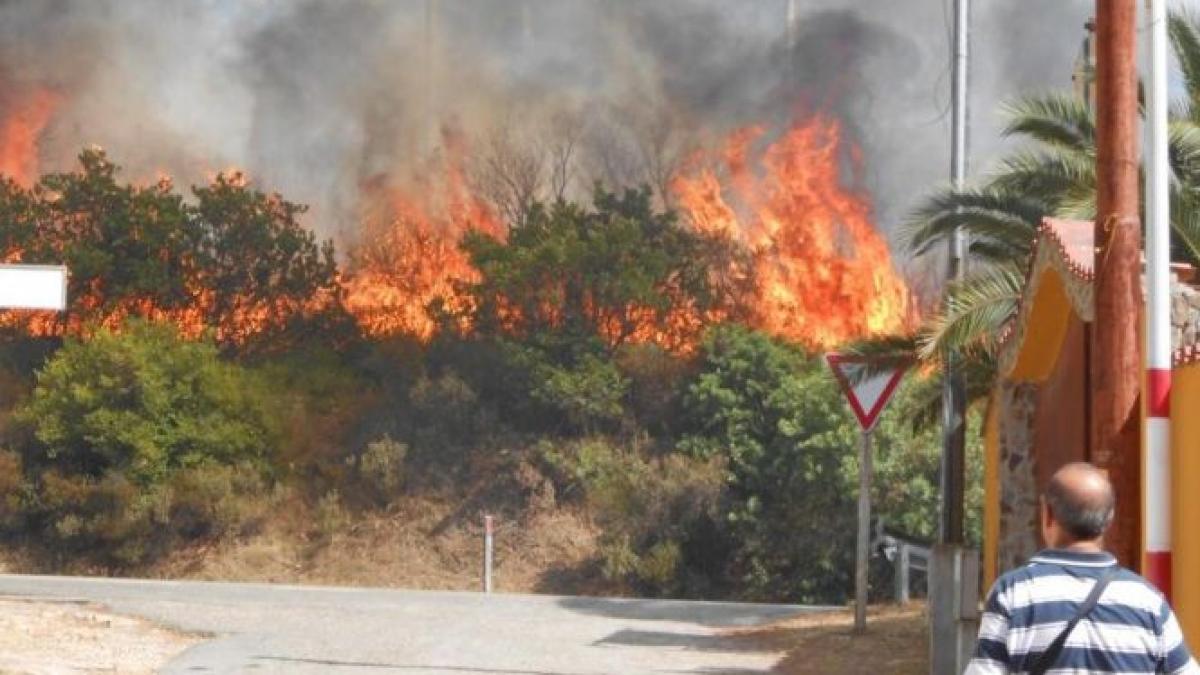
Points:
point(1116, 363)
point(954, 570)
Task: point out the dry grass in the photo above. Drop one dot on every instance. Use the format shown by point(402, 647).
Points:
point(896, 642)
point(420, 543)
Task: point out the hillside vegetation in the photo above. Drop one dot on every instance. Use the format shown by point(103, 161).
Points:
point(207, 407)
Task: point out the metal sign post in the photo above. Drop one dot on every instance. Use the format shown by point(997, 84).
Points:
point(864, 527)
point(867, 397)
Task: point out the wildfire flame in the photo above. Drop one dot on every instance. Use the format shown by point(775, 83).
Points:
point(408, 256)
point(824, 273)
point(22, 120)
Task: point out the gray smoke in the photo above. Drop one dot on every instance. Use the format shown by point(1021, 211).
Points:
point(319, 98)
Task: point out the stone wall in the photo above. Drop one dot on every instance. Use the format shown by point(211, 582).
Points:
point(1185, 315)
point(1017, 407)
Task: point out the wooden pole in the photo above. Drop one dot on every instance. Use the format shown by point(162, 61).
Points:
point(1116, 358)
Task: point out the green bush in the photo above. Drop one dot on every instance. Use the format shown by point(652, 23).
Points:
point(650, 509)
point(13, 491)
point(381, 469)
point(106, 518)
point(443, 420)
point(656, 380)
point(330, 517)
point(318, 400)
point(588, 394)
point(142, 403)
point(212, 500)
point(140, 438)
point(777, 417)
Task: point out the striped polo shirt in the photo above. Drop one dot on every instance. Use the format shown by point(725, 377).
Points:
point(1131, 630)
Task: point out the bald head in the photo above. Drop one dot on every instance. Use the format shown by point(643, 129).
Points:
point(1081, 500)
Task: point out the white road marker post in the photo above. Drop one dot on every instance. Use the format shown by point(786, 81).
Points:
point(488, 537)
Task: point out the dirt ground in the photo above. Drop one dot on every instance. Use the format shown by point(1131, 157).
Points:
point(896, 642)
point(47, 638)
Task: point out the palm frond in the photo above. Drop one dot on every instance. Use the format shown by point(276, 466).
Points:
point(1185, 39)
point(1058, 120)
point(1003, 222)
point(1183, 147)
point(1065, 182)
point(1185, 223)
point(976, 311)
point(979, 377)
point(881, 354)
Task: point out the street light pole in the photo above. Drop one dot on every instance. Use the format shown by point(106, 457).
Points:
point(953, 570)
point(954, 428)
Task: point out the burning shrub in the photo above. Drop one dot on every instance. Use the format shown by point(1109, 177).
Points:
point(824, 274)
point(617, 273)
point(236, 261)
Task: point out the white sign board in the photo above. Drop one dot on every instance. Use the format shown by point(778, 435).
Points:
point(33, 287)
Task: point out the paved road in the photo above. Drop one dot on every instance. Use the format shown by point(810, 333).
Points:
point(262, 628)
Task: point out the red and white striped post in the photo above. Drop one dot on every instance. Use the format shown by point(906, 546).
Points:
point(1156, 486)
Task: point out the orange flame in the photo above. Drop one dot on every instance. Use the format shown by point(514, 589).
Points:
point(824, 273)
point(21, 125)
point(409, 257)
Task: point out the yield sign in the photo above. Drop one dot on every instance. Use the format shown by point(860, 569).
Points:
point(868, 397)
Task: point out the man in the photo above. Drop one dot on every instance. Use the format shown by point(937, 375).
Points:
point(1130, 628)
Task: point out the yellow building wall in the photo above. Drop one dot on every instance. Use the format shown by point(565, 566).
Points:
point(1185, 496)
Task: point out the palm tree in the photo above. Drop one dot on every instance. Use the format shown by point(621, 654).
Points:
point(1053, 175)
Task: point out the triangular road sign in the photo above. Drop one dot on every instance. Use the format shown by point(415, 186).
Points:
point(867, 397)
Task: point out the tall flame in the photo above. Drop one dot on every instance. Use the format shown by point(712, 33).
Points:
point(824, 273)
point(408, 256)
point(22, 119)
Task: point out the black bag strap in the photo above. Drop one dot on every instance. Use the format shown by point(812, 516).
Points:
point(1047, 658)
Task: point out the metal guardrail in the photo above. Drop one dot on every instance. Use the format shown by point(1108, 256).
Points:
point(907, 557)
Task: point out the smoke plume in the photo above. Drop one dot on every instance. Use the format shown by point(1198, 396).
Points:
point(323, 99)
